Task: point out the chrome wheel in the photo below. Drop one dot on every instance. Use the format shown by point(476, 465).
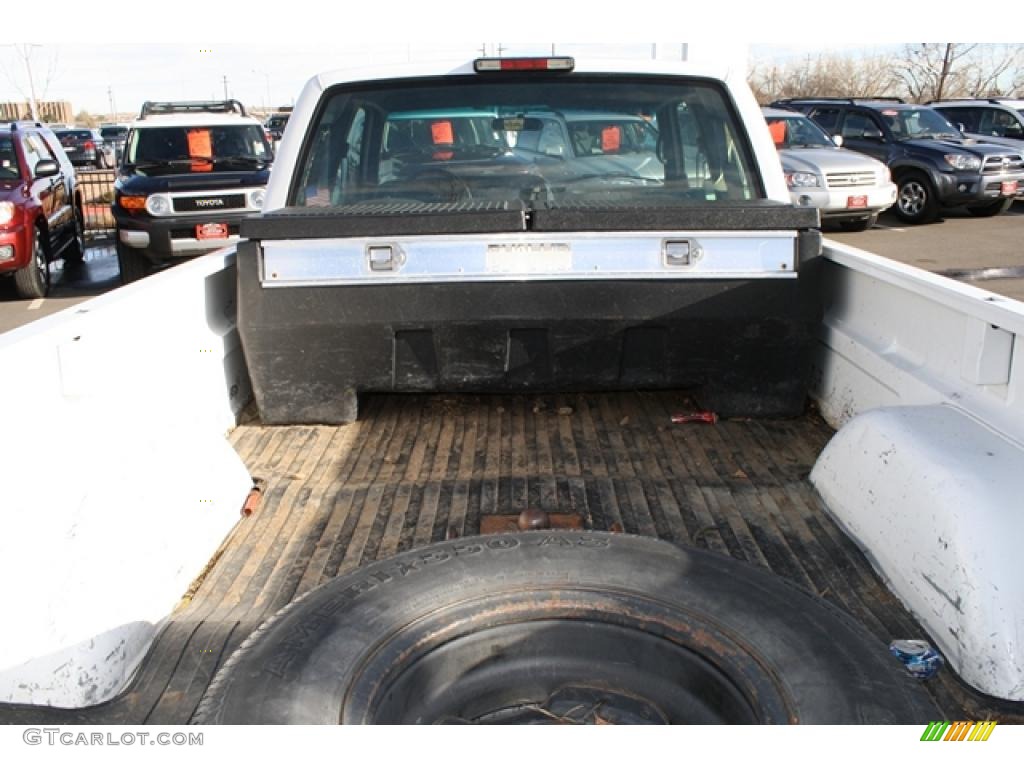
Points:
point(917, 202)
point(913, 198)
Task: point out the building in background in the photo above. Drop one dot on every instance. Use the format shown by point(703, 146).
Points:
point(48, 111)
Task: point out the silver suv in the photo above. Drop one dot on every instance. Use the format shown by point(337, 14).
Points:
point(848, 188)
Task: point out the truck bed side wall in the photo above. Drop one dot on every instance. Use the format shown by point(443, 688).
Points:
point(119, 484)
point(924, 378)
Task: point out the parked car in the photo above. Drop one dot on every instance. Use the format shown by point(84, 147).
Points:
point(848, 188)
point(996, 121)
point(191, 172)
point(276, 124)
point(85, 146)
point(40, 207)
point(114, 136)
point(993, 121)
point(933, 164)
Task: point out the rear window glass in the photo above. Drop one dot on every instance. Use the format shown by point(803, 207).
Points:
point(538, 139)
point(75, 135)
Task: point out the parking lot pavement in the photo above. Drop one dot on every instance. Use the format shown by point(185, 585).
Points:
point(959, 245)
point(71, 284)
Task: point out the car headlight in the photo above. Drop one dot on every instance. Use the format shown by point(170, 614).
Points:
point(6, 213)
point(963, 162)
point(802, 180)
point(158, 205)
point(256, 198)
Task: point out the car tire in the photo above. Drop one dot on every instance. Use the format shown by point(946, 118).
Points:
point(859, 225)
point(991, 209)
point(133, 265)
point(74, 253)
point(916, 200)
point(545, 626)
point(33, 280)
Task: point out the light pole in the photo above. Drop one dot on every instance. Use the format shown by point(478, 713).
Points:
point(113, 109)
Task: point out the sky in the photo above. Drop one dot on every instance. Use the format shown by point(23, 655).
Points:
point(120, 76)
point(186, 50)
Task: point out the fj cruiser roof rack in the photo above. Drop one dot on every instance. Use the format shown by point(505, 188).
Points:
point(840, 100)
point(185, 107)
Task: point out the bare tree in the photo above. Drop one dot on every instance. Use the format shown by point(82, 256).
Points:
point(86, 119)
point(835, 76)
point(993, 73)
point(32, 85)
point(922, 72)
point(949, 70)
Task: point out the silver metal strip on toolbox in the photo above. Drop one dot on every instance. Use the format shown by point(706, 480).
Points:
point(533, 256)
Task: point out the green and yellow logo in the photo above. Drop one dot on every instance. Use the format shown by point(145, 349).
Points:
point(961, 730)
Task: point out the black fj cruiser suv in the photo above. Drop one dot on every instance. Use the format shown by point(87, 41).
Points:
point(190, 172)
point(933, 164)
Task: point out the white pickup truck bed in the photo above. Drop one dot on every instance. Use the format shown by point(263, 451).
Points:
point(917, 374)
point(414, 467)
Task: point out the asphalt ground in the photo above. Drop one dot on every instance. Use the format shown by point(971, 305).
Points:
point(988, 253)
point(70, 284)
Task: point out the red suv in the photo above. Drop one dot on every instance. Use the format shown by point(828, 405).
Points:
point(40, 207)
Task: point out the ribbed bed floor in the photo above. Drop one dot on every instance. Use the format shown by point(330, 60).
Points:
point(415, 469)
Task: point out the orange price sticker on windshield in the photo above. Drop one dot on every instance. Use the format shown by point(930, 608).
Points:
point(611, 138)
point(200, 145)
point(441, 132)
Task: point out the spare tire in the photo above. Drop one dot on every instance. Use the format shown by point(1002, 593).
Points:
point(562, 627)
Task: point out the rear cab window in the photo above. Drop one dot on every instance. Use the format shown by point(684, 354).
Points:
point(537, 140)
point(72, 138)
